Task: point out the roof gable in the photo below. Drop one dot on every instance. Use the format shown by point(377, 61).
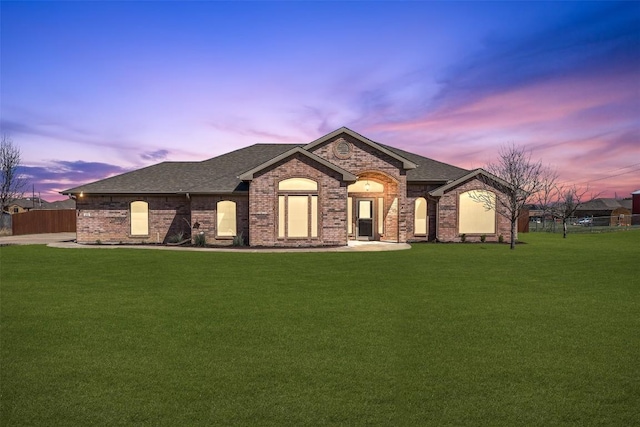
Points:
point(438, 192)
point(406, 163)
point(249, 175)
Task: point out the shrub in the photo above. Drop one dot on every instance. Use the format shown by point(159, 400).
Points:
point(176, 238)
point(200, 240)
point(238, 239)
point(501, 238)
point(463, 237)
point(483, 238)
point(98, 242)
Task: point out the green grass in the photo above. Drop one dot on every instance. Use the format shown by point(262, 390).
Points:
point(443, 334)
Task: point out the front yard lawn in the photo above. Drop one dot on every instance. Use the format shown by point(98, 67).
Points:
point(442, 334)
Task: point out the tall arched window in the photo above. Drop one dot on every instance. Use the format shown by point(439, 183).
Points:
point(474, 217)
point(297, 208)
point(226, 218)
point(420, 217)
point(139, 218)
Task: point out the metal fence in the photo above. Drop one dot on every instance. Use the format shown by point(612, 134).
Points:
point(591, 224)
point(44, 221)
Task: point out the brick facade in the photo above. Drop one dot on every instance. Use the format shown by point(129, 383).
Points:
point(448, 216)
point(368, 163)
point(332, 204)
point(107, 219)
point(415, 191)
point(204, 215)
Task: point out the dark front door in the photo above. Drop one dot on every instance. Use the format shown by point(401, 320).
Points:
point(364, 219)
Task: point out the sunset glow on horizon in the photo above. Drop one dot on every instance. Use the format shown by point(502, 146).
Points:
point(93, 89)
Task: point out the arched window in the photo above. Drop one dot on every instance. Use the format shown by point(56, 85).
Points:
point(420, 217)
point(139, 218)
point(297, 208)
point(474, 217)
point(226, 218)
point(298, 184)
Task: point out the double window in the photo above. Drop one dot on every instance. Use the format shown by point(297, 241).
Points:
point(297, 208)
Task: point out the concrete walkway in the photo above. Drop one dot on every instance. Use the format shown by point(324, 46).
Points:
point(37, 239)
point(67, 240)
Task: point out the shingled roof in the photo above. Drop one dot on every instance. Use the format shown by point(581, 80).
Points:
point(220, 174)
point(604, 204)
point(216, 175)
point(429, 169)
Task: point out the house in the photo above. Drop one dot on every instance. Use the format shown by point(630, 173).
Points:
point(36, 203)
point(62, 204)
point(635, 208)
point(25, 205)
point(606, 211)
point(340, 187)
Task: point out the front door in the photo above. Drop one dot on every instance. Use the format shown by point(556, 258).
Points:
point(364, 219)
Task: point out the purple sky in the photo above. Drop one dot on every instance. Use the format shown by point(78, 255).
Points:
point(93, 89)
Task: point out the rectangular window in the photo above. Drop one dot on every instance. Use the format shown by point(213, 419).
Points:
point(474, 217)
point(314, 216)
point(226, 223)
point(139, 218)
point(298, 216)
point(380, 215)
point(281, 217)
point(350, 215)
point(420, 217)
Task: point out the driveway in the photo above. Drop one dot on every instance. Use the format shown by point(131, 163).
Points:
point(37, 239)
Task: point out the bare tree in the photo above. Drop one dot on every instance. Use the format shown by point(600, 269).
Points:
point(569, 199)
point(548, 195)
point(12, 184)
point(519, 179)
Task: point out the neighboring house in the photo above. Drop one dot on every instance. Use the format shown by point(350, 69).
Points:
point(635, 208)
point(26, 204)
point(62, 204)
point(606, 211)
point(36, 203)
point(340, 187)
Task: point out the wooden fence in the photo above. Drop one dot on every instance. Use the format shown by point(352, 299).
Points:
point(44, 221)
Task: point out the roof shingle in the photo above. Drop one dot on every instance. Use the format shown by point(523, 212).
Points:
point(220, 174)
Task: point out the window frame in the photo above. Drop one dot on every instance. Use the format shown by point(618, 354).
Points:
point(235, 219)
point(283, 220)
point(426, 217)
point(494, 221)
point(131, 218)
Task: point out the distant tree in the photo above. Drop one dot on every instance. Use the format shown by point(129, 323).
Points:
point(520, 179)
point(547, 197)
point(12, 184)
point(569, 199)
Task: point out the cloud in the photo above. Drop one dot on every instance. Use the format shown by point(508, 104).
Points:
point(597, 45)
point(155, 155)
point(598, 41)
point(242, 126)
point(58, 175)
